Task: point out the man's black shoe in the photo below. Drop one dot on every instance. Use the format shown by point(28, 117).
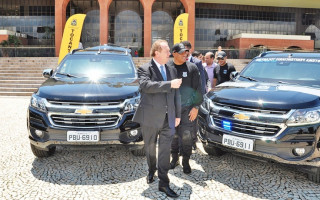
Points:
point(174, 164)
point(168, 191)
point(194, 146)
point(150, 178)
point(186, 166)
point(175, 160)
point(187, 170)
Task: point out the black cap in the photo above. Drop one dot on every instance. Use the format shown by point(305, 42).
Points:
point(221, 54)
point(178, 48)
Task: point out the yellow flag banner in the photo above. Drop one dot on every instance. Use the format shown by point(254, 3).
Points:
point(180, 30)
point(71, 35)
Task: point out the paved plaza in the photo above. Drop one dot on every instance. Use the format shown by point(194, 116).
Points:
point(112, 172)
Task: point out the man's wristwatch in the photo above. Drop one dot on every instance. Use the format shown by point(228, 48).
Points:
point(196, 107)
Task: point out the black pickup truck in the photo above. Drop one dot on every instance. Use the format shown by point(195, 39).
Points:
point(89, 99)
point(271, 110)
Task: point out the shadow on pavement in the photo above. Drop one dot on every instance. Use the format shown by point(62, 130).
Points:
point(110, 165)
point(153, 192)
point(243, 175)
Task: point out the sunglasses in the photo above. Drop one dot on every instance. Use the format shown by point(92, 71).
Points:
point(220, 58)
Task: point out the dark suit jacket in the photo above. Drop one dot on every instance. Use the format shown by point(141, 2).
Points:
point(203, 74)
point(157, 97)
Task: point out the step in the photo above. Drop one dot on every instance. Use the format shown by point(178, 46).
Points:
point(16, 93)
point(21, 78)
point(38, 75)
point(40, 65)
point(27, 68)
point(21, 81)
point(19, 71)
point(20, 85)
point(6, 89)
point(27, 59)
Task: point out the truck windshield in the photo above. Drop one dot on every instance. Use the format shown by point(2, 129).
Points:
point(303, 71)
point(102, 66)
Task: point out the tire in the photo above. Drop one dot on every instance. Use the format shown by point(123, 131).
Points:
point(138, 152)
point(314, 175)
point(42, 153)
point(212, 151)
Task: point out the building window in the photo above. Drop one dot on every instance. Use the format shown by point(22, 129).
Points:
point(126, 24)
point(90, 35)
point(217, 23)
point(32, 19)
point(164, 14)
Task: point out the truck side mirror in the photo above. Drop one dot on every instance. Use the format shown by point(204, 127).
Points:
point(233, 75)
point(47, 73)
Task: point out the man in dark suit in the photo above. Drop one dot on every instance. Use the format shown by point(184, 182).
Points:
point(159, 112)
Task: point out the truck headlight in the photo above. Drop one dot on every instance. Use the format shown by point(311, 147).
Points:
point(38, 103)
point(304, 117)
point(207, 103)
point(131, 104)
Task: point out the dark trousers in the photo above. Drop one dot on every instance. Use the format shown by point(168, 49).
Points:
point(184, 137)
point(150, 136)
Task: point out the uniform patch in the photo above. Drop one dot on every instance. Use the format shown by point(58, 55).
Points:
point(184, 74)
point(225, 71)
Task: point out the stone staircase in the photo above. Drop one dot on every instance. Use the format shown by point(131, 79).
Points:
point(21, 76)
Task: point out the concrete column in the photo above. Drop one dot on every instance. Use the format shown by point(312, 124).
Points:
point(190, 8)
point(60, 21)
point(147, 12)
point(104, 20)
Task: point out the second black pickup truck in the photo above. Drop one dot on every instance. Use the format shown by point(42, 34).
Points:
point(271, 110)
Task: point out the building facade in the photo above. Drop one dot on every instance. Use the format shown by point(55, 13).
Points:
point(137, 23)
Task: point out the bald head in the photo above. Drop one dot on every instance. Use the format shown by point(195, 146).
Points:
point(209, 57)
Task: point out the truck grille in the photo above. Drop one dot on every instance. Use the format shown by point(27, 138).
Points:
point(70, 103)
point(247, 127)
point(85, 120)
point(230, 106)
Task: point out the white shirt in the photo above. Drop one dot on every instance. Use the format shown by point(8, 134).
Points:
point(158, 65)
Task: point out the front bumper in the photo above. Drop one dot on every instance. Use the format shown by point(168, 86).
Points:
point(279, 148)
point(53, 135)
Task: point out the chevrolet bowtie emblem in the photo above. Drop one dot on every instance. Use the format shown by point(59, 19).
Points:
point(83, 111)
point(241, 116)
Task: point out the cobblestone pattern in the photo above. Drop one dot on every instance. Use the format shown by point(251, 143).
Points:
point(114, 173)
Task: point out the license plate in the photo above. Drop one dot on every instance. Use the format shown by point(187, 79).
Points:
point(83, 136)
point(237, 142)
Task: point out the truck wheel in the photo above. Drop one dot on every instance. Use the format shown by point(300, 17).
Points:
point(138, 152)
point(212, 151)
point(42, 153)
point(314, 175)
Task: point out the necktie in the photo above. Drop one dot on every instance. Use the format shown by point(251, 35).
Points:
point(163, 73)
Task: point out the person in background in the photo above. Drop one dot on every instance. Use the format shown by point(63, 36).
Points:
point(210, 65)
point(159, 112)
point(203, 80)
point(222, 72)
point(191, 98)
point(197, 54)
point(135, 53)
point(216, 54)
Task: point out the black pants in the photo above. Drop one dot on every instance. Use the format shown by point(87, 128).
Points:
point(150, 136)
point(184, 137)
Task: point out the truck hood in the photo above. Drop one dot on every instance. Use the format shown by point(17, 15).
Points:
point(266, 95)
point(84, 90)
